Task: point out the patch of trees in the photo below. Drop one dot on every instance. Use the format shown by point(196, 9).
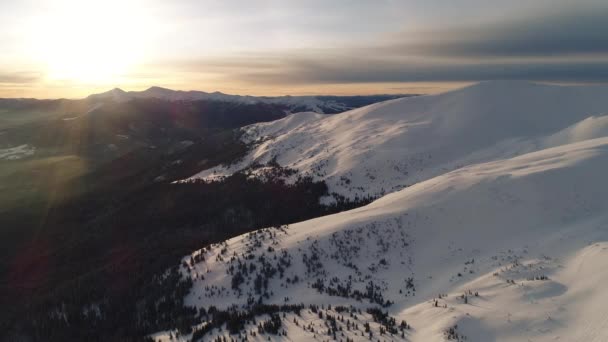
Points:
point(110, 251)
point(373, 293)
point(343, 202)
point(246, 267)
point(236, 320)
point(452, 334)
point(388, 323)
point(271, 326)
point(87, 260)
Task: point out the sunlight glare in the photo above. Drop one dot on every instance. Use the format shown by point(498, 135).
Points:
point(91, 42)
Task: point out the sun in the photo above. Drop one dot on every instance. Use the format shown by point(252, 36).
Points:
point(84, 61)
point(90, 42)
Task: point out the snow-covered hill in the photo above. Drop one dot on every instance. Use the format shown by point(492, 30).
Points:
point(522, 239)
point(318, 104)
point(502, 235)
point(386, 146)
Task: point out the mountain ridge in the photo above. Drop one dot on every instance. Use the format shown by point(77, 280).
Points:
point(388, 145)
point(506, 235)
point(316, 103)
point(502, 239)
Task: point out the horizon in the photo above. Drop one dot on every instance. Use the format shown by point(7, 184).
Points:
point(140, 90)
point(68, 49)
point(436, 89)
point(431, 90)
point(339, 90)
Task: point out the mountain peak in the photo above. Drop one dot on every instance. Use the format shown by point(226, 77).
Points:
point(157, 88)
point(115, 93)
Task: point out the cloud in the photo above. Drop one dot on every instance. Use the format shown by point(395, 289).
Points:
point(318, 68)
point(365, 72)
point(569, 31)
point(22, 77)
point(561, 45)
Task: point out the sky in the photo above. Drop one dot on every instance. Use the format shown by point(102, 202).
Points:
point(72, 48)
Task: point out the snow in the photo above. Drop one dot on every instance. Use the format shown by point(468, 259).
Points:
point(539, 214)
point(17, 152)
point(386, 146)
point(510, 211)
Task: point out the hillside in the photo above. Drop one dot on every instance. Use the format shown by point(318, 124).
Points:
point(521, 238)
point(89, 213)
point(488, 224)
point(386, 146)
point(498, 235)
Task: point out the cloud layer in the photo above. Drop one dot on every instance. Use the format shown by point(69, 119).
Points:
point(570, 31)
point(278, 46)
point(569, 44)
point(19, 77)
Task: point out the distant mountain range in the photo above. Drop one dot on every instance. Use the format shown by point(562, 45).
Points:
point(292, 104)
point(117, 121)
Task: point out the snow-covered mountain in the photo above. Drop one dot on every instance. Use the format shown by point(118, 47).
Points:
point(319, 104)
point(501, 234)
point(386, 146)
point(496, 229)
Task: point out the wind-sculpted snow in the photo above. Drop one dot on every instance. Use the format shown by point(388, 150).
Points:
point(384, 147)
point(508, 250)
point(17, 152)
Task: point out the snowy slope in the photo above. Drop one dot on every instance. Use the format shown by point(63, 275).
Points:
point(523, 238)
point(502, 234)
point(17, 152)
point(386, 146)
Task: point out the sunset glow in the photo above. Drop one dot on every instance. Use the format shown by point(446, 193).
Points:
point(71, 48)
point(89, 43)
